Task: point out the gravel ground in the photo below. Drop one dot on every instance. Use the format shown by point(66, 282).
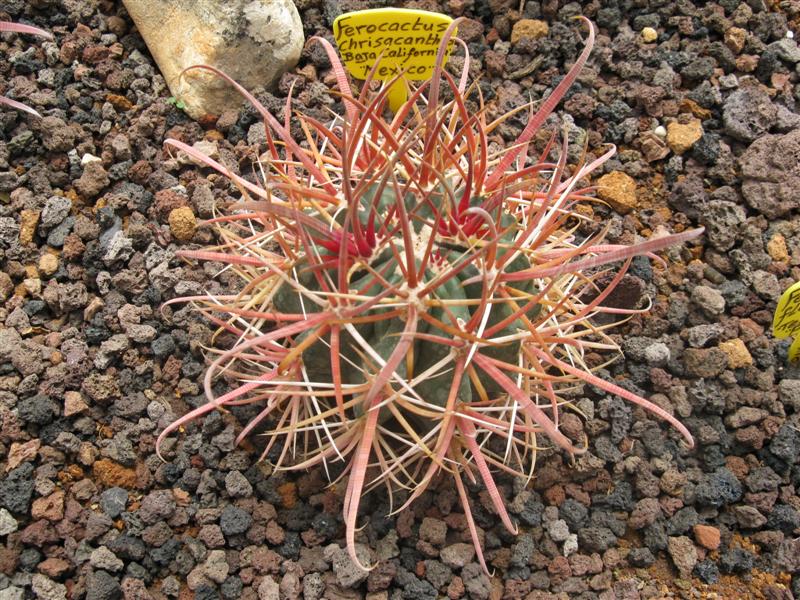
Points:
point(701, 99)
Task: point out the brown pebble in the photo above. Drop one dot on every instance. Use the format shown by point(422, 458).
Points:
point(708, 537)
point(529, 28)
point(28, 221)
point(182, 223)
point(110, 474)
point(618, 189)
point(73, 403)
point(117, 25)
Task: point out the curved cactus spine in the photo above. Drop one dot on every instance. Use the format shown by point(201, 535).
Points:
point(30, 30)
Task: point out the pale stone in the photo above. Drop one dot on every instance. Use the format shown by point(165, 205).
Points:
point(73, 403)
point(777, 248)
point(649, 35)
point(683, 554)
point(252, 41)
point(28, 221)
point(87, 158)
point(48, 263)
point(8, 524)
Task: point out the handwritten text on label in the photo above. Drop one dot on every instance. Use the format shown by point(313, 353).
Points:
point(403, 40)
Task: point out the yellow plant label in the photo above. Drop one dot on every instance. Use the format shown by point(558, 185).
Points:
point(787, 314)
point(794, 350)
point(397, 39)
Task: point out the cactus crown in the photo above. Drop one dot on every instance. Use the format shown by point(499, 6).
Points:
point(413, 300)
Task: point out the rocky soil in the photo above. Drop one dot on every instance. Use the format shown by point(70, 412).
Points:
point(701, 100)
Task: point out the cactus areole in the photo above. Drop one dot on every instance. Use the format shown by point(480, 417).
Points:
point(414, 300)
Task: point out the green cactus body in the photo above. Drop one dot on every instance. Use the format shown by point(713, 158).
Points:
point(383, 335)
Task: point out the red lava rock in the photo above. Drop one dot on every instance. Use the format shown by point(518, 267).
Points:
point(419, 569)
point(110, 474)
point(706, 536)
point(275, 534)
point(555, 495)
point(380, 578)
point(456, 588)
point(750, 437)
point(39, 533)
point(405, 520)
point(265, 560)
point(644, 513)
point(73, 247)
point(95, 54)
point(73, 403)
point(560, 567)
point(20, 453)
point(705, 362)
point(140, 171)
point(582, 564)
point(494, 62)
point(50, 507)
point(737, 466)
point(9, 559)
point(54, 567)
point(93, 179)
point(670, 505)
point(470, 30)
point(763, 501)
point(167, 201)
point(433, 531)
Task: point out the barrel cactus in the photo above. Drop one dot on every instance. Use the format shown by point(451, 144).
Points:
point(414, 299)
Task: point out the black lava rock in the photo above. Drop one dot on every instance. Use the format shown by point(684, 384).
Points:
point(718, 488)
point(707, 571)
point(16, 489)
point(234, 520)
point(102, 586)
point(736, 560)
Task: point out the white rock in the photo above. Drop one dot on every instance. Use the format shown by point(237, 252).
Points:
point(45, 588)
point(12, 593)
point(103, 558)
point(253, 41)
point(8, 524)
point(558, 530)
point(87, 158)
point(571, 544)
